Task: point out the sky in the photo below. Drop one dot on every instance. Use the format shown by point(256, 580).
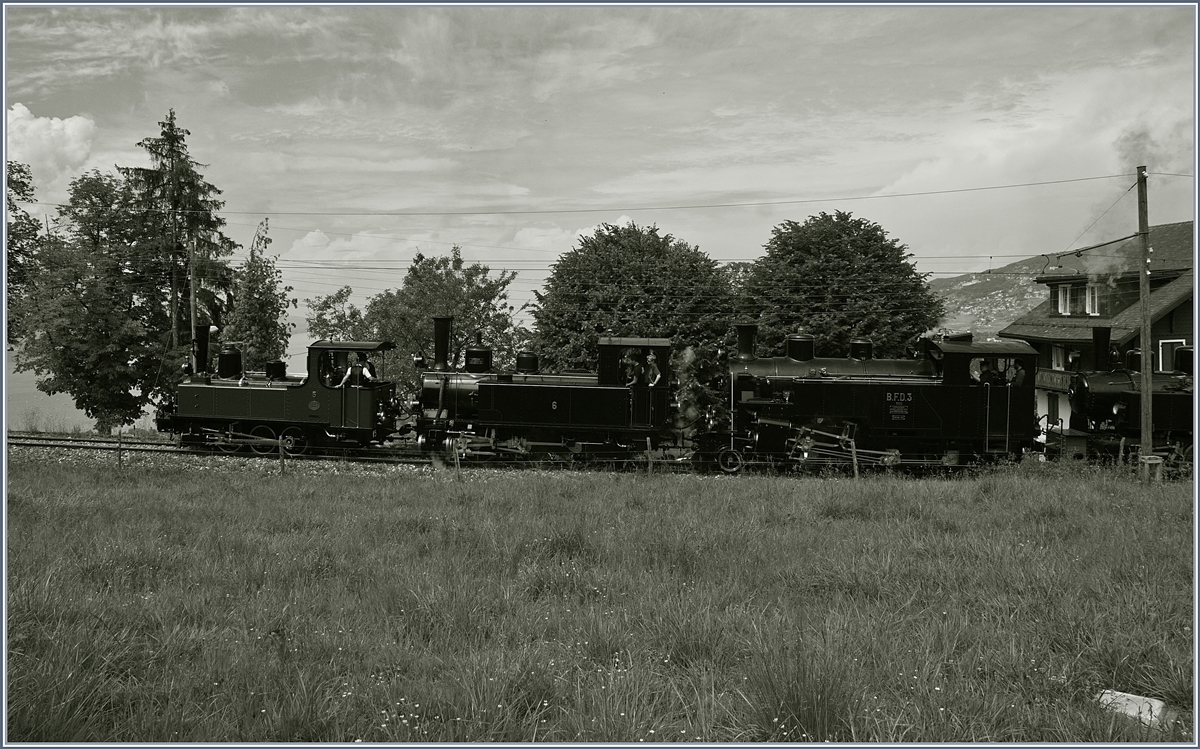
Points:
point(366, 134)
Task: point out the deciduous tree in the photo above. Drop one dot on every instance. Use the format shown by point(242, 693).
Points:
point(103, 316)
point(433, 286)
point(333, 317)
point(21, 234)
point(94, 322)
point(838, 278)
point(633, 281)
point(258, 319)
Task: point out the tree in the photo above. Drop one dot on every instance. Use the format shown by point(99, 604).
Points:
point(632, 281)
point(103, 315)
point(22, 242)
point(258, 320)
point(182, 208)
point(838, 278)
point(433, 286)
point(91, 310)
point(333, 317)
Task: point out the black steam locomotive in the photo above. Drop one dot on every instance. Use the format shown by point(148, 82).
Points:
point(320, 408)
point(618, 410)
point(1107, 406)
point(956, 401)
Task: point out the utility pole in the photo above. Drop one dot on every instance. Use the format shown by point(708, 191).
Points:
point(192, 289)
point(1147, 345)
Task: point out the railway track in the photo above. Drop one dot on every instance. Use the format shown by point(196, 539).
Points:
point(245, 449)
point(269, 450)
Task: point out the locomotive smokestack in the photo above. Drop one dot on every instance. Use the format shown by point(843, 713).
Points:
point(201, 343)
point(1101, 340)
point(441, 343)
point(746, 334)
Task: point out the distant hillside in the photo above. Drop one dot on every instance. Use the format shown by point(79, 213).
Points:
point(985, 303)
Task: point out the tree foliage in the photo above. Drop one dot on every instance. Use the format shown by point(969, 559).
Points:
point(181, 209)
point(632, 281)
point(91, 308)
point(258, 319)
point(838, 278)
point(433, 286)
point(333, 317)
point(103, 312)
point(21, 234)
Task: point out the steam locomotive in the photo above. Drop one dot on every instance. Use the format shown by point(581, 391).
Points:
point(267, 409)
point(611, 412)
point(1107, 406)
point(956, 401)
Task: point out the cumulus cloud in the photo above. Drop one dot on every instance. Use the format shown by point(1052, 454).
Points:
point(49, 145)
point(319, 246)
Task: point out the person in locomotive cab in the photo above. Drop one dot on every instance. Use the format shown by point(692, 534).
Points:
point(653, 375)
point(987, 375)
point(633, 370)
point(356, 374)
point(369, 367)
point(1018, 378)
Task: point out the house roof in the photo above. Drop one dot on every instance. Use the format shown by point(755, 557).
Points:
point(1173, 248)
point(1039, 325)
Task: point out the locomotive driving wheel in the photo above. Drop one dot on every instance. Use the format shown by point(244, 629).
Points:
point(729, 461)
point(263, 432)
point(294, 441)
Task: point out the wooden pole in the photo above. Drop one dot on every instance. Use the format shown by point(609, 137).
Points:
point(1146, 448)
point(192, 289)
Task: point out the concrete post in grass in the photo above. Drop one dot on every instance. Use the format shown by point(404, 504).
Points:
point(1147, 710)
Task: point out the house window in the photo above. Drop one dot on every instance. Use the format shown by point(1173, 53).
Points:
point(1058, 357)
point(1052, 413)
point(1078, 300)
point(1072, 300)
point(1097, 299)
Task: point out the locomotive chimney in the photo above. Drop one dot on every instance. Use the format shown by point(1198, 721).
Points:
point(746, 334)
point(441, 343)
point(200, 341)
point(1101, 340)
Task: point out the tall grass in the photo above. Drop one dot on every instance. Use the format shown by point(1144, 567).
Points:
point(333, 604)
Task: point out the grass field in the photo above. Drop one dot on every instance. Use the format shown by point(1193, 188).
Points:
point(219, 601)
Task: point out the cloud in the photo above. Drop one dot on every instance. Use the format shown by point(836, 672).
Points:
point(49, 145)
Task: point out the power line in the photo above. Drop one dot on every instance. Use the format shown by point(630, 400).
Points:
point(749, 204)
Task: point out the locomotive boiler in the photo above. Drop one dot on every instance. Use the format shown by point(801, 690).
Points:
point(610, 412)
point(235, 408)
point(956, 401)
